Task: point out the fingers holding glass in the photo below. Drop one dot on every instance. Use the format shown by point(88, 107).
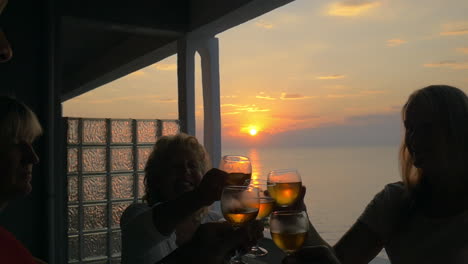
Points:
point(239, 169)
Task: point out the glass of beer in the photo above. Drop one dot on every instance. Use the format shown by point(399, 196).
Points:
point(287, 186)
point(238, 167)
point(289, 229)
point(239, 205)
point(266, 204)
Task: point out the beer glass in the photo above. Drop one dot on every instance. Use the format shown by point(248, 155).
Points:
point(239, 169)
point(239, 205)
point(287, 186)
point(289, 229)
point(266, 204)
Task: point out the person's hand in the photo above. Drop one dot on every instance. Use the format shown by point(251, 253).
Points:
point(299, 205)
point(211, 186)
point(312, 255)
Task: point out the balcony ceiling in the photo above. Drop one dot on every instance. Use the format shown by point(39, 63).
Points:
point(103, 40)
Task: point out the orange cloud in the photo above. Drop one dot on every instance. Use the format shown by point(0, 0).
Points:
point(331, 77)
point(165, 100)
point(351, 8)
point(265, 97)
point(286, 96)
point(395, 42)
point(230, 113)
point(166, 66)
point(233, 105)
point(359, 94)
point(448, 64)
point(463, 50)
point(253, 109)
point(264, 24)
point(373, 92)
point(136, 73)
point(455, 32)
point(295, 117)
point(337, 96)
point(455, 29)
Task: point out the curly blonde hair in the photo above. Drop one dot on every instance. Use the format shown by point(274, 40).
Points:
point(168, 148)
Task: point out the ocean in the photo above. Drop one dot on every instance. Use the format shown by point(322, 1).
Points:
point(340, 181)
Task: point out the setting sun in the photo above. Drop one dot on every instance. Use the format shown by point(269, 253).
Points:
point(253, 132)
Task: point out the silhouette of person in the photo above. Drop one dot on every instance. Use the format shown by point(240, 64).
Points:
point(423, 218)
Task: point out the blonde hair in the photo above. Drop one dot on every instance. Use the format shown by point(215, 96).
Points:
point(17, 121)
point(449, 109)
point(166, 149)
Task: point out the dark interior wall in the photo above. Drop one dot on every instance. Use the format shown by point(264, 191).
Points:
point(25, 77)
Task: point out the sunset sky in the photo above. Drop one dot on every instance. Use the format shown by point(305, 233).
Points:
point(321, 72)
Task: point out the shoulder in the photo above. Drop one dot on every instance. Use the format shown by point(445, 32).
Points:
point(11, 250)
point(384, 212)
point(392, 194)
point(133, 211)
point(394, 199)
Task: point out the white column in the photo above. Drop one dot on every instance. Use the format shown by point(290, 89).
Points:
point(209, 54)
point(186, 85)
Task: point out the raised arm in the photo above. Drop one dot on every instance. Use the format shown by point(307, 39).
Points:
point(359, 245)
point(167, 215)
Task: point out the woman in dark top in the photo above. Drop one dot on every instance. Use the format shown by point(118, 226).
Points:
point(424, 218)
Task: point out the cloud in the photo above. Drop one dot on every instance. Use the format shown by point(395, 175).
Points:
point(337, 87)
point(373, 92)
point(337, 96)
point(351, 8)
point(165, 100)
point(455, 32)
point(455, 29)
point(247, 108)
point(365, 130)
point(286, 96)
point(230, 113)
point(253, 109)
point(233, 105)
point(395, 42)
point(166, 66)
point(265, 97)
point(358, 94)
point(295, 117)
point(264, 24)
point(448, 64)
point(331, 77)
point(229, 96)
point(136, 73)
point(463, 50)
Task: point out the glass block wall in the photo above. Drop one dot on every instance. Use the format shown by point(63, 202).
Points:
point(105, 163)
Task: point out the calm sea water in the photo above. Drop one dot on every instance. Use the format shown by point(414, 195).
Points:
point(340, 181)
